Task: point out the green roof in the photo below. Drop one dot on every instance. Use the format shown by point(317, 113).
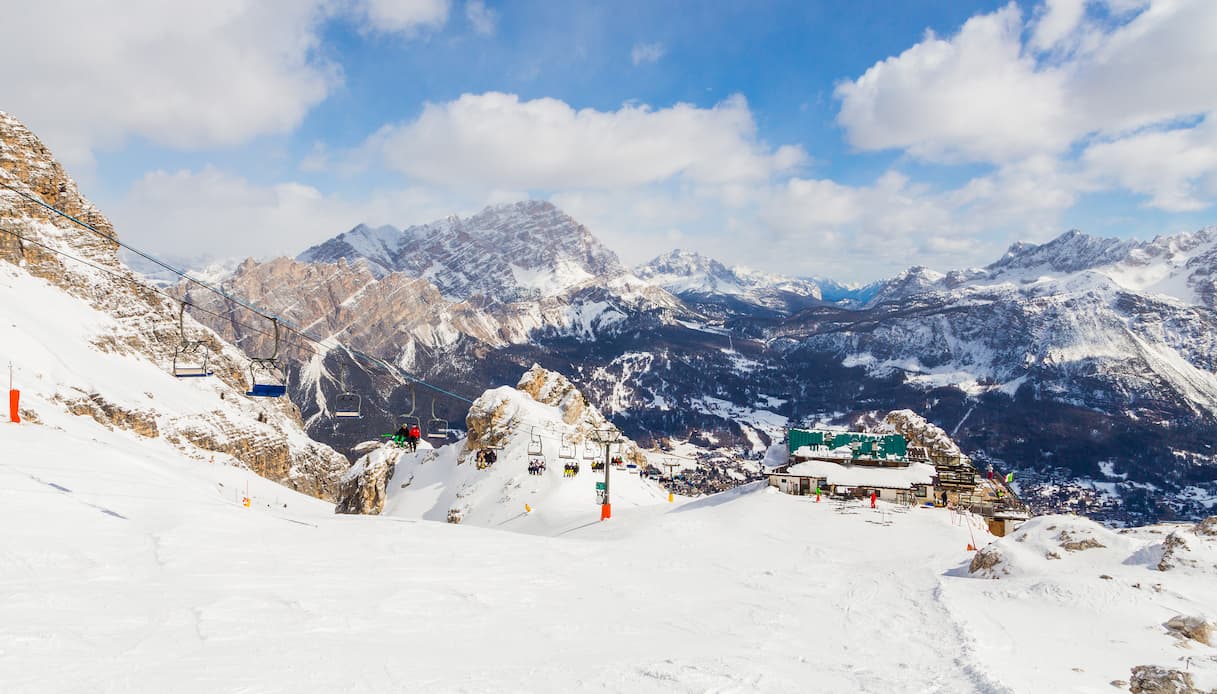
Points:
point(872, 446)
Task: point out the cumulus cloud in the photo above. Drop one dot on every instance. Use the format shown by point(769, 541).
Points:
point(1176, 169)
point(215, 214)
point(975, 96)
point(189, 76)
point(483, 19)
point(498, 140)
point(1128, 75)
point(646, 53)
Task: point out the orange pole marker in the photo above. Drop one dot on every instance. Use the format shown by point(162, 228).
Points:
point(606, 511)
point(14, 406)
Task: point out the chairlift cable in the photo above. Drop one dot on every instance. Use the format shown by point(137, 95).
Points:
point(219, 291)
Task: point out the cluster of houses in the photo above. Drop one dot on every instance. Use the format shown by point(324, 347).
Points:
point(859, 464)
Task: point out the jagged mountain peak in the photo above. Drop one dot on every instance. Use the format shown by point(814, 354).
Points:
point(508, 252)
point(1069, 252)
point(680, 262)
point(29, 166)
point(707, 281)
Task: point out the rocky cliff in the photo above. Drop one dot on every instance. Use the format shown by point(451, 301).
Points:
point(122, 379)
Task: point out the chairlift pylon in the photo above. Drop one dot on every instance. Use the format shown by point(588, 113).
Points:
point(437, 428)
point(190, 357)
point(273, 383)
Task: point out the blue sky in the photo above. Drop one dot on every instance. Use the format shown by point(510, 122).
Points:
point(796, 137)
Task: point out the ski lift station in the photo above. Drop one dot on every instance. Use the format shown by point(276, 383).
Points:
point(858, 464)
point(853, 463)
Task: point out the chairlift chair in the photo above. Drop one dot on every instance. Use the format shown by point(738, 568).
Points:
point(272, 383)
point(566, 450)
point(347, 405)
point(589, 451)
point(409, 419)
point(534, 443)
point(191, 357)
point(437, 428)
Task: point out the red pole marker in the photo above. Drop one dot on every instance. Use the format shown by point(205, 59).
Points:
point(14, 406)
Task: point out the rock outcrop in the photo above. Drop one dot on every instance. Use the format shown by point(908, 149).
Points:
point(136, 326)
point(365, 485)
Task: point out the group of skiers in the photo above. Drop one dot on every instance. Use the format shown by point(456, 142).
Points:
point(536, 466)
point(486, 457)
point(407, 436)
point(570, 469)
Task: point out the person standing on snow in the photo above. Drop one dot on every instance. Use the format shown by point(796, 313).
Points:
point(873, 495)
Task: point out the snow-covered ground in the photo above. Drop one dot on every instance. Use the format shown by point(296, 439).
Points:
point(125, 566)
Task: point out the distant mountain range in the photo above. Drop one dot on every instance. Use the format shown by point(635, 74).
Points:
point(1084, 363)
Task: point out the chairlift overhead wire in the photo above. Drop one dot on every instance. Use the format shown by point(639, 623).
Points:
point(404, 376)
point(250, 329)
point(392, 369)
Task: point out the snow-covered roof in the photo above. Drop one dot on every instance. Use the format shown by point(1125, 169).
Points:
point(865, 475)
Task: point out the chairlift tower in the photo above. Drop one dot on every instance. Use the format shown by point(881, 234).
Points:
point(606, 437)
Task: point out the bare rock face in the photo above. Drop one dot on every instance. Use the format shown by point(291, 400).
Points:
point(140, 324)
point(1207, 527)
point(1193, 628)
point(364, 486)
point(1152, 679)
point(1071, 543)
point(554, 389)
point(920, 432)
point(985, 560)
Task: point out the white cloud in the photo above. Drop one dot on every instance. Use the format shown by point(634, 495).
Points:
point(1055, 21)
point(185, 75)
point(483, 19)
point(1177, 169)
point(497, 140)
point(1106, 77)
point(975, 96)
point(405, 17)
point(646, 53)
point(1155, 69)
point(215, 214)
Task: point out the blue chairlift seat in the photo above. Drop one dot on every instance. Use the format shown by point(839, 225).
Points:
point(267, 390)
point(273, 383)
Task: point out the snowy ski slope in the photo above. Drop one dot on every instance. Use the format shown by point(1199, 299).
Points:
point(125, 566)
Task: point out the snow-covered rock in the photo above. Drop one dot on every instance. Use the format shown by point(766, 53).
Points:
point(1191, 548)
point(93, 340)
point(544, 419)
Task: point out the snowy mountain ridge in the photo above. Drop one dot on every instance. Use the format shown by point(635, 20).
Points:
point(505, 253)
